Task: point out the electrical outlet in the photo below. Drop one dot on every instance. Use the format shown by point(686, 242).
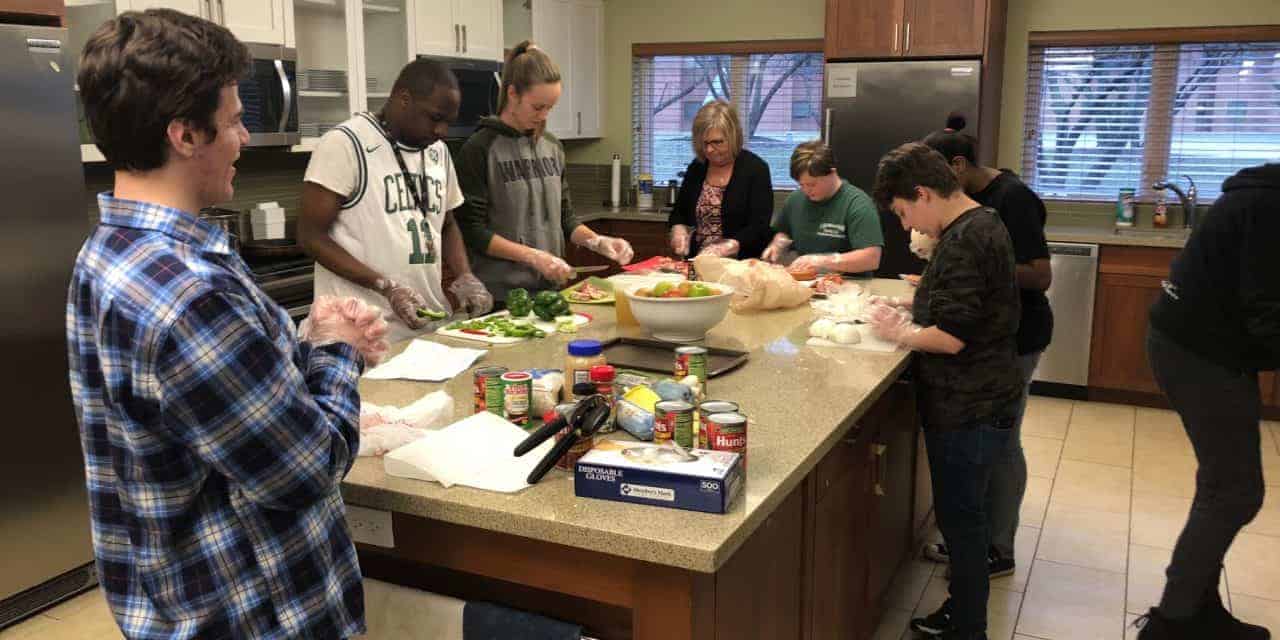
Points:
point(370, 526)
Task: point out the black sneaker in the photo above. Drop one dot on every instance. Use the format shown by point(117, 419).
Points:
point(935, 624)
point(997, 567)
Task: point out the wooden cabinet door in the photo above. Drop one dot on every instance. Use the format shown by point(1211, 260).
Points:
point(944, 27)
point(864, 28)
point(841, 545)
point(253, 20)
point(437, 30)
point(1269, 385)
point(894, 467)
point(1118, 355)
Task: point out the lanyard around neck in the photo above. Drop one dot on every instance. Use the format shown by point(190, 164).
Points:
point(410, 182)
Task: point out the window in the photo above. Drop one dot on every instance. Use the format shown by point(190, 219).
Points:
point(1101, 118)
point(776, 92)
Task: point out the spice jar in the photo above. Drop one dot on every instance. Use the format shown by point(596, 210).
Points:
point(583, 354)
point(602, 376)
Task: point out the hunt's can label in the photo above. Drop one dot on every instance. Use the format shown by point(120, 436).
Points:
point(488, 389)
point(691, 361)
point(673, 419)
point(517, 391)
point(727, 432)
point(708, 408)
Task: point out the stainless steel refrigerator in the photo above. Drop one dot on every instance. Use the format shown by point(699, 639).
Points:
point(872, 107)
point(45, 550)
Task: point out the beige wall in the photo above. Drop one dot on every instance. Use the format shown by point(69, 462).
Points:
point(628, 21)
point(1026, 16)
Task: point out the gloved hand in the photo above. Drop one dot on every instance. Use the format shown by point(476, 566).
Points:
point(615, 249)
point(471, 294)
point(404, 302)
point(817, 262)
point(721, 248)
point(922, 245)
point(551, 267)
point(890, 301)
point(780, 243)
point(347, 320)
point(893, 324)
point(681, 236)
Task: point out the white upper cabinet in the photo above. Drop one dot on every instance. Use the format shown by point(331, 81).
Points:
point(253, 20)
point(460, 28)
point(259, 21)
point(194, 7)
point(572, 32)
point(587, 51)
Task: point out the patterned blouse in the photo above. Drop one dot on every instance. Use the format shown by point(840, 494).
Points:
point(708, 214)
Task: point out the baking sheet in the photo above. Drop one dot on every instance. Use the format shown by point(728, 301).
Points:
point(656, 355)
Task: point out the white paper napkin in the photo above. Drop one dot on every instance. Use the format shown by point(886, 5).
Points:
point(427, 361)
point(475, 452)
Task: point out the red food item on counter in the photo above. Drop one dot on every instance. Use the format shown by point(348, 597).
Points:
point(829, 283)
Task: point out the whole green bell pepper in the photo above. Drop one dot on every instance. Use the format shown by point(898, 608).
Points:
point(518, 303)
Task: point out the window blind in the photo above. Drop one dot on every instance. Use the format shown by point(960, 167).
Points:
point(1104, 118)
point(778, 97)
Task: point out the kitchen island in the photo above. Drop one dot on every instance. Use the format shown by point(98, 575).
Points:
point(828, 509)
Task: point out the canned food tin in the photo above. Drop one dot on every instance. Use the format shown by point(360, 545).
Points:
point(580, 448)
point(517, 392)
point(727, 432)
point(708, 408)
point(673, 419)
point(691, 361)
point(488, 389)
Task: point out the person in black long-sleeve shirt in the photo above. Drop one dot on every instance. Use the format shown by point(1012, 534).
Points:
point(726, 200)
point(1215, 327)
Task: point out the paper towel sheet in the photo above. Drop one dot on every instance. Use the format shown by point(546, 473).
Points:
point(475, 452)
point(427, 361)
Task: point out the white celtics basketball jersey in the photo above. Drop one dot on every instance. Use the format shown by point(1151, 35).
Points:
point(380, 223)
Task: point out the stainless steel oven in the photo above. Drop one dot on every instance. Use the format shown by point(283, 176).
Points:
point(270, 96)
point(479, 81)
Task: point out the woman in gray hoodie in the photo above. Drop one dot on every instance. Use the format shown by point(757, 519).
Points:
point(517, 215)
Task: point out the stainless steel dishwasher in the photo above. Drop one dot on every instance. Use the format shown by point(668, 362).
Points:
point(1065, 364)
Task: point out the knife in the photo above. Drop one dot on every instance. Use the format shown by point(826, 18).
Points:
point(596, 269)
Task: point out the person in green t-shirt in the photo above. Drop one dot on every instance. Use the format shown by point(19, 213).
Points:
point(833, 225)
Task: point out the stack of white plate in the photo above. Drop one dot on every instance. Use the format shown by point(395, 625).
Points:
point(322, 80)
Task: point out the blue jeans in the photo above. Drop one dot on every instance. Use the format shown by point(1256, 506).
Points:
point(1009, 475)
point(960, 464)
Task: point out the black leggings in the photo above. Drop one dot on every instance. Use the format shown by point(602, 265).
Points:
point(1221, 412)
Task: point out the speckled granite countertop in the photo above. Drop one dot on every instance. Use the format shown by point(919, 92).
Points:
point(1166, 238)
point(591, 214)
point(800, 400)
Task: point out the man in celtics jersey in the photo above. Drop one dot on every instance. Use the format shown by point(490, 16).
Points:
point(377, 206)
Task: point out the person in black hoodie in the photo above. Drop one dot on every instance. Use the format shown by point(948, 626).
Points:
point(1215, 327)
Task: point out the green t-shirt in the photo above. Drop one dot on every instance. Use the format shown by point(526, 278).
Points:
point(845, 222)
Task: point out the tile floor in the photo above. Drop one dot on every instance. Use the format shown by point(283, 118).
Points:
point(1108, 492)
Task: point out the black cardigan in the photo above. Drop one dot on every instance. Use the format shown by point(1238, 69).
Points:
point(747, 207)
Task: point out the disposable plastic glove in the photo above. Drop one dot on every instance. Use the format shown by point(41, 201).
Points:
point(922, 245)
point(890, 301)
point(780, 243)
point(721, 248)
point(680, 238)
point(404, 302)
point(893, 324)
point(551, 267)
point(615, 249)
point(817, 262)
point(471, 294)
point(347, 320)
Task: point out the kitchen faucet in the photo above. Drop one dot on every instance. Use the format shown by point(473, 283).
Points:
point(1188, 199)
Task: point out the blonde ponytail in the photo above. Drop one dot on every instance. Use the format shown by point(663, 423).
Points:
point(527, 66)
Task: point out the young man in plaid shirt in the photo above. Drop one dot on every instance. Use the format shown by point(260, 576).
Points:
point(214, 439)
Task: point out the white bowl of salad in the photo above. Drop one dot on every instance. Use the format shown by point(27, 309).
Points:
point(679, 311)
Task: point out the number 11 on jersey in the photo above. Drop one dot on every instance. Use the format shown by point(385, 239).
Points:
point(423, 253)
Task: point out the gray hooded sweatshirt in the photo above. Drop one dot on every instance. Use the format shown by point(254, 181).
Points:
point(515, 187)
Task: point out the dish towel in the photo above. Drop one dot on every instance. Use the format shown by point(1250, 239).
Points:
point(427, 361)
point(486, 621)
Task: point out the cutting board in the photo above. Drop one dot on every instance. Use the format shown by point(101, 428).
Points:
point(580, 319)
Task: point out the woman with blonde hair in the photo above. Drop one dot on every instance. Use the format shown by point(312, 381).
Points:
point(517, 213)
point(726, 201)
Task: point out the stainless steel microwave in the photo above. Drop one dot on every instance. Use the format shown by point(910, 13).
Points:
point(480, 81)
point(269, 94)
